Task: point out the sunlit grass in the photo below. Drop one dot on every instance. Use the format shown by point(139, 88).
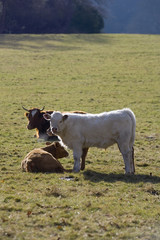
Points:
point(93, 73)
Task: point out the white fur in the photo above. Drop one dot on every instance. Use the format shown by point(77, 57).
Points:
point(79, 131)
point(34, 112)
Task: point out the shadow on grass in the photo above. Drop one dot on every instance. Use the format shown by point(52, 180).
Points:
point(60, 42)
point(113, 177)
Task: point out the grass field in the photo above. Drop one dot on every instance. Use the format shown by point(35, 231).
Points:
point(93, 73)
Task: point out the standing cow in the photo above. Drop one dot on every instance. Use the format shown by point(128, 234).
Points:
point(36, 121)
point(102, 130)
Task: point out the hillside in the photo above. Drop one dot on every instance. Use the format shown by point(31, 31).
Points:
point(93, 73)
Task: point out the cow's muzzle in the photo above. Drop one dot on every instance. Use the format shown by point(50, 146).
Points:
point(54, 130)
point(29, 127)
point(49, 132)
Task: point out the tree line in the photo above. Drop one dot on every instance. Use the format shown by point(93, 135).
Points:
point(50, 16)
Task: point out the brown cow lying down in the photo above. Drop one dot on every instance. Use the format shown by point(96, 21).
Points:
point(44, 159)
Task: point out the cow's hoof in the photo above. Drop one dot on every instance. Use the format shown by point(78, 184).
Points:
point(129, 174)
point(76, 170)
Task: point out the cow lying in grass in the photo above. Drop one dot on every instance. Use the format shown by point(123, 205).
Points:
point(45, 159)
point(81, 131)
point(36, 121)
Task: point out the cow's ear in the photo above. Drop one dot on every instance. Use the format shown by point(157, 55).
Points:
point(65, 117)
point(47, 116)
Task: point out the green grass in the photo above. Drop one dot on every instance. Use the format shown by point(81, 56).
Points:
point(93, 73)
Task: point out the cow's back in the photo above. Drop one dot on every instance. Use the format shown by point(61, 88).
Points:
point(39, 160)
point(99, 130)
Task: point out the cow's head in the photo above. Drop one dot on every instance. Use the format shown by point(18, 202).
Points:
point(57, 149)
point(34, 116)
point(57, 120)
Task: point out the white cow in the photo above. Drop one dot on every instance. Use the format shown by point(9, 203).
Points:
point(81, 131)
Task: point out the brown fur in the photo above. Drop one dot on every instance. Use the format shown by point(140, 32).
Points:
point(56, 149)
point(40, 124)
point(44, 159)
point(43, 131)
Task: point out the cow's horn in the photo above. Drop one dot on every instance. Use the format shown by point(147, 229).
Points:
point(42, 108)
point(25, 109)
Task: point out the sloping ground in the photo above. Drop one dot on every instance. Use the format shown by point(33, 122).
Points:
point(93, 73)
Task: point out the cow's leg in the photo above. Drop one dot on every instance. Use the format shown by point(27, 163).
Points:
point(84, 154)
point(129, 166)
point(77, 153)
point(133, 159)
point(128, 157)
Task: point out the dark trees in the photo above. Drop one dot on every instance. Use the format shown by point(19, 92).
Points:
point(86, 19)
point(2, 15)
point(49, 16)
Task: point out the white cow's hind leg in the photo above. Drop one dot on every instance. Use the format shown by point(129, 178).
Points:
point(77, 155)
point(129, 165)
point(128, 158)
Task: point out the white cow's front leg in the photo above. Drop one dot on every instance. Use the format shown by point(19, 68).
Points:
point(77, 153)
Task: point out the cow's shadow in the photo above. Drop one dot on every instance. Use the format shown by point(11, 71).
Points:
point(113, 177)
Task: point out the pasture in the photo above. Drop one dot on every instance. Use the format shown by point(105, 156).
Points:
point(93, 73)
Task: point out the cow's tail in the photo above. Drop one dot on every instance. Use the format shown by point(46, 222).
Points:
point(133, 119)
